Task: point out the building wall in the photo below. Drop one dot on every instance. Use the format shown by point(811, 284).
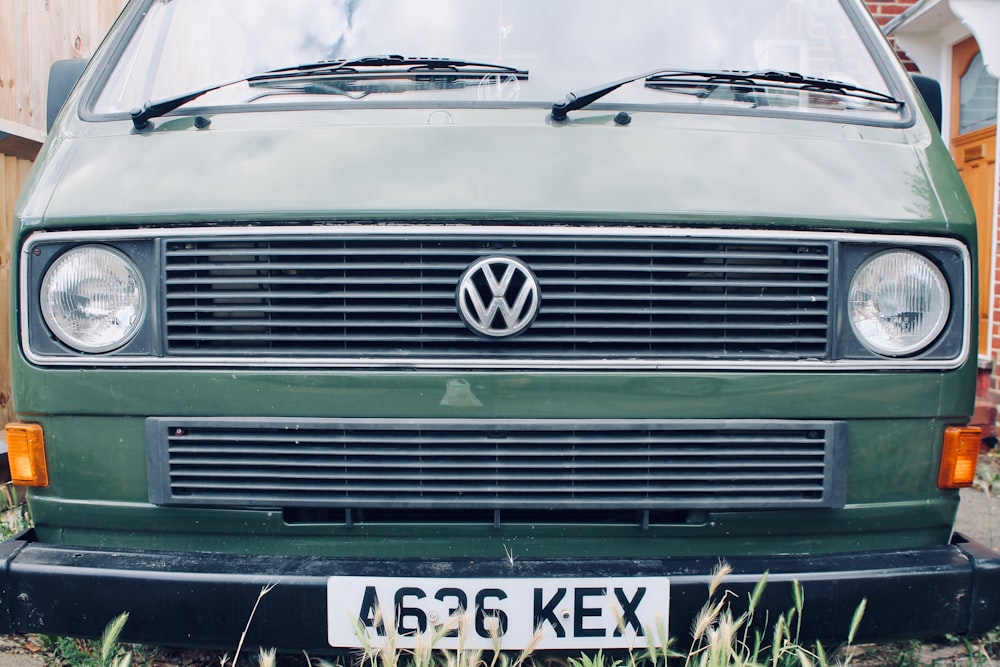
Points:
point(33, 34)
point(992, 396)
point(885, 11)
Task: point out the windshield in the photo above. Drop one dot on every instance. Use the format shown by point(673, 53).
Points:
point(559, 46)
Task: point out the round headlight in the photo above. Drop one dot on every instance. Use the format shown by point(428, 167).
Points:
point(898, 303)
point(93, 298)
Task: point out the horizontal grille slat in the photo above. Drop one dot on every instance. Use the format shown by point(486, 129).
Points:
point(773, 470)
point(523, 464)
point(482, 488)
point(387, 296)
point(621, 339)
point(620, 247)
point(364, 296)
point(451, 481)
point(243, 310)
point(580, 323)
point(644, 266)
point(553, 283)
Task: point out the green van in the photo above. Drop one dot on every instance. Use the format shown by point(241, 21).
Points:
point(528, 313)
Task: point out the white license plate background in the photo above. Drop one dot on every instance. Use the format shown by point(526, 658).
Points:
point(571, 613)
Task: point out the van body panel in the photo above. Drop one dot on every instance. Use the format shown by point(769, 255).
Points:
point(665, 167)
point(389, 316)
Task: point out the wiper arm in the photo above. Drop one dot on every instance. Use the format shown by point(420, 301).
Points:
point(665, 78)
point(142, 115)
point(582, 98)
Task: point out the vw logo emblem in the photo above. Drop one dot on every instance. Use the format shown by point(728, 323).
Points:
point(498, 296)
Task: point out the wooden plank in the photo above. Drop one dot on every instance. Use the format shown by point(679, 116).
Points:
point(13, 33)
point(10, 184)
point(23, 171)
point(6, 210)
point(7, 199)
point(13, 175)
point(24, 39)
point(19, 140)
point(34, 34)
point(7, 61)
point(38, 51)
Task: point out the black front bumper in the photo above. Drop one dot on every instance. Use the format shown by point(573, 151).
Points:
point(199, 599)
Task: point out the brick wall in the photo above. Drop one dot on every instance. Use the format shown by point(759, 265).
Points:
point(886, 10)
point(988, 378)
point(993, 394)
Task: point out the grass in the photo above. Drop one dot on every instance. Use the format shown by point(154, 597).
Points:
point(106, 652)
point(988, 473)
point(982, 652)
point(14, 515)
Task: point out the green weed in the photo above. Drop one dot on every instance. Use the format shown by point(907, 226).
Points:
point(14, 515)
point(988, 473)
point(106, 652)
point(722, 638)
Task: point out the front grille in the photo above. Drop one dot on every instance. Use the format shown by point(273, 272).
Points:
point(523, 464)
point(388, 295)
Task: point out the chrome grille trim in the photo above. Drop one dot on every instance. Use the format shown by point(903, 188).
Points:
point(156, 358)
point(497, 464)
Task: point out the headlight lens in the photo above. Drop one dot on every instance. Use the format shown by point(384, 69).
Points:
point(93, 298)
point(898, 303)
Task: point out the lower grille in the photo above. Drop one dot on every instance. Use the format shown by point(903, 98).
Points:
point(509, 465)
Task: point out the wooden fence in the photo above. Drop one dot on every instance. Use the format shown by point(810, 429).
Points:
point(33, 34)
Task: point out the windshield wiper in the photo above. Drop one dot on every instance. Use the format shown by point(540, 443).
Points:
point(409, 64)
point(667, 78)
point(785, 80)
point(353, 66)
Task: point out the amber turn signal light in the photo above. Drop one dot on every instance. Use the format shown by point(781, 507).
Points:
point(26, 455)
point(959, 457)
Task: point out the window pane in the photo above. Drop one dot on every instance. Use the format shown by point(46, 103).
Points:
point(978, 103)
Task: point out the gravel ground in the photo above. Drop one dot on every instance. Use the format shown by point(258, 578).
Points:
point(979, 517)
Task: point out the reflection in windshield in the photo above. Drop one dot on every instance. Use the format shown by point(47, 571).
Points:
point(185, 45)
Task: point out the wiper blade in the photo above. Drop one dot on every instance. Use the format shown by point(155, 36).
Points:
point(409, 64)
point(786, 80)
point(666, 78)
point(415, 66)
point(357, 88)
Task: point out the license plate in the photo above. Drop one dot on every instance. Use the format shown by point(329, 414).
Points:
point(512, 614)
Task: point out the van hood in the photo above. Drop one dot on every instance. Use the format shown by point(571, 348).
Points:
point(471, 163)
